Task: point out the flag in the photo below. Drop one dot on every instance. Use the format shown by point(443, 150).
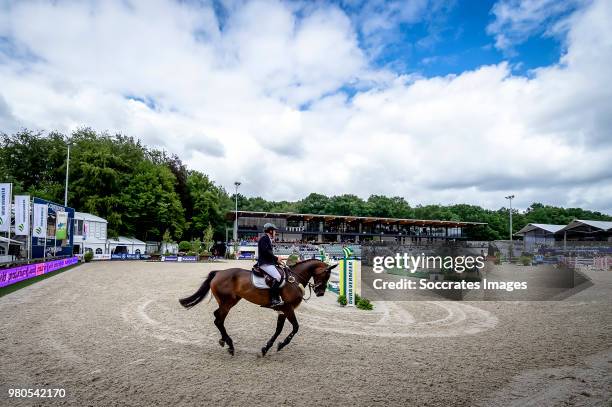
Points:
point(5, 207)
point(22, 215)
point(39, 228)
point(61, 225)
point(85, 230)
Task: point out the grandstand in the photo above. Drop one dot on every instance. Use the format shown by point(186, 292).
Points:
point(316, 228)
point(577, 235)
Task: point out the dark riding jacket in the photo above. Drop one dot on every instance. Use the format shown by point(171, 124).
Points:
point(266, 254)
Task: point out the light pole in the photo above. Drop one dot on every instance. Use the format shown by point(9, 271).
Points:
point(236, 184)
point(510, 198)
point(67, 169)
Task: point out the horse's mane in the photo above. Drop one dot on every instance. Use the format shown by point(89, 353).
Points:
point(305, 261)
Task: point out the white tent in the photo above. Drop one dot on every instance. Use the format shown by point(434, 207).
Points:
point(128, 245)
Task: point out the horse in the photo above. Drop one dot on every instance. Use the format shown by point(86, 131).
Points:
point(231, 285)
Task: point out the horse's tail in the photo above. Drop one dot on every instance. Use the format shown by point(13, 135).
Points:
point(200, 294)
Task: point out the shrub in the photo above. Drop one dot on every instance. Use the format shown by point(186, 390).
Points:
point(185, 246)
point(196, 245)
point(342, 300)
point(498, 260)
point(525, 260)
point(363, 303)
point(88, 256)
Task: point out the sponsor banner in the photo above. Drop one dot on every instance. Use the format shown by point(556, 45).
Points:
point(16, 274)
point(128, 256)
point(169, 258)
point(188, 258)
point(5, 207)
point(22, 215)
point(102, 257)
point(39, 228)
point(53, 247)
point(61, 225)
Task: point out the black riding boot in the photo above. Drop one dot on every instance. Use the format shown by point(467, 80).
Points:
point(276, 300)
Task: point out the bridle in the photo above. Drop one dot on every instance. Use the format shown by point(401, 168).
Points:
point(296, 278)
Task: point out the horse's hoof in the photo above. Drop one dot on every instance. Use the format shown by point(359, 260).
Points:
point(264, 350)
point(221, 342)
point(280, 346)
point(230, 351)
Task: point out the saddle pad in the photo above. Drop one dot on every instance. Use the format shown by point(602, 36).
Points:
point(260, 282)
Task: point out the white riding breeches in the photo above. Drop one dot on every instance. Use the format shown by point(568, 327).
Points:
point(271, 270)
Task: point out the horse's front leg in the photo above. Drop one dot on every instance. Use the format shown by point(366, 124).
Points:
point(291, 317)
point(280, 323)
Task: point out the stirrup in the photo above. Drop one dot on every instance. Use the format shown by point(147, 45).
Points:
point(275, 305)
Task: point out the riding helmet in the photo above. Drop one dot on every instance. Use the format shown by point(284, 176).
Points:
point(269, 226)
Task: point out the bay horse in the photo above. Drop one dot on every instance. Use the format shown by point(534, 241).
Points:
point(231, 285)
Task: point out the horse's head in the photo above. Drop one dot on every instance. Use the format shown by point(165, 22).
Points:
point(321, 277)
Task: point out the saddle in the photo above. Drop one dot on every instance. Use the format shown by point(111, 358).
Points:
point(262, 280)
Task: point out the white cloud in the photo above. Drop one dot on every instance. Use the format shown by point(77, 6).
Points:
point(230, 101)
point(517, 20)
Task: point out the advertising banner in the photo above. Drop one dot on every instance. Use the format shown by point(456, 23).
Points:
point(22, 215)
point(5, 207)
point(16, 274)
point(39, 228)
point(61, 225)
point(49, 246)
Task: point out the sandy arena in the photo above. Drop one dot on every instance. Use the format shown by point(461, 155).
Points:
point(114, 334)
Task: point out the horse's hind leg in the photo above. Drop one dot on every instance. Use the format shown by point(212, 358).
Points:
point(220, 315)
point(291, 317)
point(220, 327)
point(280, 322)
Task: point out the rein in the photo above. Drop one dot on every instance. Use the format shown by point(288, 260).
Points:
point(297, 277)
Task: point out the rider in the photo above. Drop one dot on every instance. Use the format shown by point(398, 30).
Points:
point(267, 262)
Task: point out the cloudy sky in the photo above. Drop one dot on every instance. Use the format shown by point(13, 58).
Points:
point(435, 101)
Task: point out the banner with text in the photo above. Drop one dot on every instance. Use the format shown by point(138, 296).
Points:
point(22, 215)
point(40, 220)
point(16, 274)
point(5, 207)
point(61, 225)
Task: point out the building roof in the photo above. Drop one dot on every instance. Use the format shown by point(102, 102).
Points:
point(595, 224)
point(126, 240)
point(89, 217)
point(308, 216)
point(543, 226)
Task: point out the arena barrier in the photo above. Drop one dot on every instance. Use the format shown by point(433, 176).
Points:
point(181, 259)
point(20, 273)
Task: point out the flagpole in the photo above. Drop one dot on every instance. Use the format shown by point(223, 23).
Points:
point(46, 234)
point(10, 218)
point(55, 237)
point(31, 220)
point(10, 213)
